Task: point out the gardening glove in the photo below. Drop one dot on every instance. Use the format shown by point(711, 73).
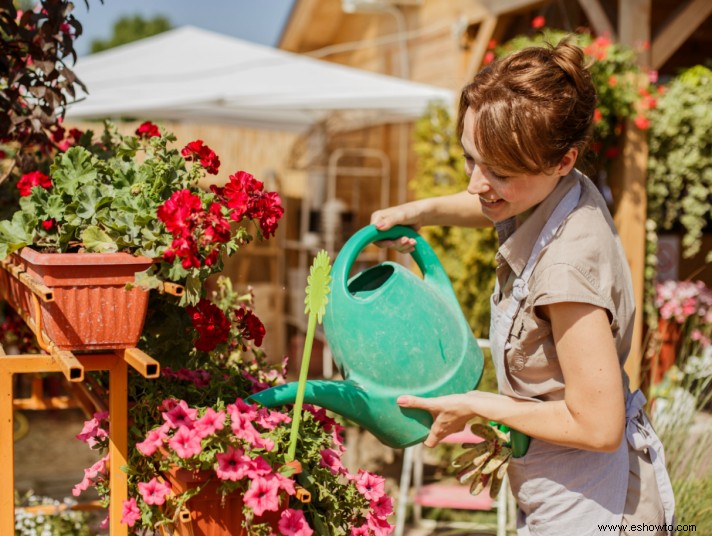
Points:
point(486, 462)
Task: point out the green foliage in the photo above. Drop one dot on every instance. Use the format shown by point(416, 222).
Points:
point(680, 163)
point(132, 28)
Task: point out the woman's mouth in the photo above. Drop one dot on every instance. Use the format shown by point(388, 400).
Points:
point(491, 203)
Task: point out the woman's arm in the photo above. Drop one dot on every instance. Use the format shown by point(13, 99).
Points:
point(592, 414)
point(461, 209)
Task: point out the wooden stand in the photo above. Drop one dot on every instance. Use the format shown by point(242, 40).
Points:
point(73, 367)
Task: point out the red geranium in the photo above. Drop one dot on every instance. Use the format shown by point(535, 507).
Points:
point(252, 327)
point(32, 179)
point(211, 323)
point(147, 130)
point(195, 150)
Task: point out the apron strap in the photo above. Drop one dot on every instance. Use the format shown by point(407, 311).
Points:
point(640, 436)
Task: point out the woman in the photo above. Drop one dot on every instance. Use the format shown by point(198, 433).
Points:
point(562, 308)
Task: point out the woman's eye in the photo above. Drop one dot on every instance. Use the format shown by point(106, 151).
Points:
point(498, 176)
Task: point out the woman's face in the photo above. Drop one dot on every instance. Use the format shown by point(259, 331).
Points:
point(504, 197)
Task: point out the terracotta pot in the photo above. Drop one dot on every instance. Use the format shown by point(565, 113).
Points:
point(669, 332)
point(209, 513)
point(92, 309)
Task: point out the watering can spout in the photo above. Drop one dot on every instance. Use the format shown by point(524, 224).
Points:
point(378, 413)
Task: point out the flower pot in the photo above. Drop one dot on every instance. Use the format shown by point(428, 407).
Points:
point(92, 309)
point(669, 333)
point(211, 514)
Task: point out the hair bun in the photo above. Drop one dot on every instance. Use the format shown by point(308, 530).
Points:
point(570, 59)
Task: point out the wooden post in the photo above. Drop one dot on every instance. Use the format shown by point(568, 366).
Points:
point(118, 444)
point(7, 455)
point(631, 208)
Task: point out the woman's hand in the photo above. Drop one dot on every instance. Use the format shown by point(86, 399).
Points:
point(408, 214)
point(451, 412)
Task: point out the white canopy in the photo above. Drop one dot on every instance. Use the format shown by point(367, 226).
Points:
point(193, 74)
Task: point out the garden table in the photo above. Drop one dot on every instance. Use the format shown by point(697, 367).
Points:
point(73, 366)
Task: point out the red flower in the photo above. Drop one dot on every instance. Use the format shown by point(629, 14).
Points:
point(48, 224)
point(642, 122)
point(147, 130)
point(492, 43)
point(195, 150)
point(32, 179)
point(489, 58)
point(597, 115)
point(268, 210)
point(211, 323)
point(179, 211)
point(252, 327)
point(538, 22)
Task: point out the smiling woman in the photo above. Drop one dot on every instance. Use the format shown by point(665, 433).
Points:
point(562, 307)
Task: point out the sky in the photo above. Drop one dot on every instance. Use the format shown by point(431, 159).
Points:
point(260, 21)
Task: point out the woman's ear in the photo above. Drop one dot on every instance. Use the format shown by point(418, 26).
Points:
point(567, 162)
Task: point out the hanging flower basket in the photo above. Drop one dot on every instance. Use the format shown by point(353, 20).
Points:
point(210, 513)
point(92, 309)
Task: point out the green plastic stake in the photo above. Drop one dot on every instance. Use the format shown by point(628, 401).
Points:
point(316, 300)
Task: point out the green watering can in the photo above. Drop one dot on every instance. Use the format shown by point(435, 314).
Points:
point(391, 333)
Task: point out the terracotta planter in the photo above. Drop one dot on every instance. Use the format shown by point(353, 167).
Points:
point(669, 333)
point(209, 513)
point(92, 309)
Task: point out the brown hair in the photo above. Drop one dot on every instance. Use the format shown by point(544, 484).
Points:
point(530, 108)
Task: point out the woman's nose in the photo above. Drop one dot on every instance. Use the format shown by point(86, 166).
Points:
point(478, 183)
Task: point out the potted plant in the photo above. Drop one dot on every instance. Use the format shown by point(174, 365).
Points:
point(132, 203)
point(203, 459)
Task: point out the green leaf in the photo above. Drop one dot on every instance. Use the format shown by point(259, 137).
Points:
point(17, 233)
point(98, 241)
point(72, 169)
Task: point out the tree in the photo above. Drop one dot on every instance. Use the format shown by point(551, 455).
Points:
point(132, 28)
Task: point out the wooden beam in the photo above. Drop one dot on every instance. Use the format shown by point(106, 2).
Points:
point(479, 47)
point(677, 29)
point(631, 212)
point(598, 18)
point(634, 27)
point(504, 7)
point(630, 216)
point(301, 17)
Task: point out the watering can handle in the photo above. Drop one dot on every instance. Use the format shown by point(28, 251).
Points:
point(429, 264)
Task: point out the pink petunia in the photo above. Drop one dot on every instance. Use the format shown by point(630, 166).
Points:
point(181, 415)
point(232, 465)
point(360, 531)
point(383, 507)
point(154, 492)
point(130, 512)
point(269, 420)
point(210, 422)
point(371, 486)
point(379, 526)
point(263, 495)
point(153, 441)
point(332, 461)
point(97, 469)
point(186, 443)
point(293, 523)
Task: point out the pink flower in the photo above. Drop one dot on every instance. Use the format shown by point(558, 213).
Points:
point(263, 495)
point(82, 486)
point(181, 415)
point(92, 432)
point(371, 486)
point(383, 507)
point(332, 461)
point(210, 422)
point(154, 492)
point(232, 465)
point(270, 419)
point(186, 443)
point(293, 523)
point(96, 469)
point(130, 512)
point(360, 531)
point(154, 439)
point(379, 526)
